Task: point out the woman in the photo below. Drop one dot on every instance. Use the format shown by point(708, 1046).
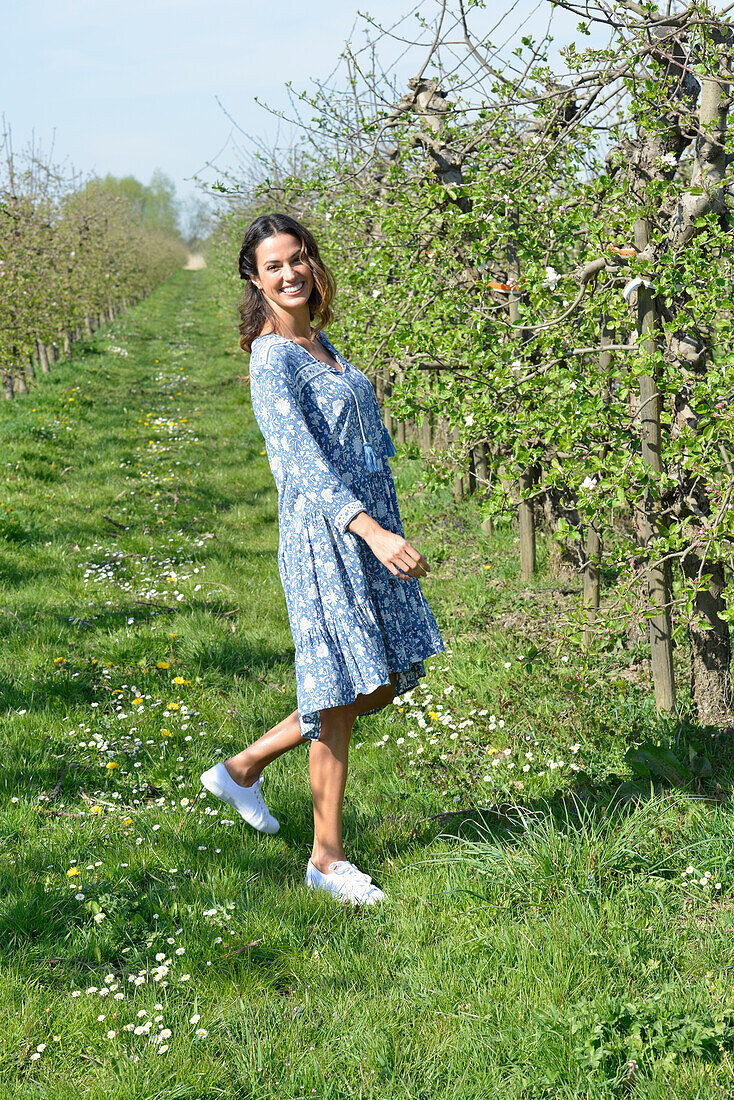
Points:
point(360, 624)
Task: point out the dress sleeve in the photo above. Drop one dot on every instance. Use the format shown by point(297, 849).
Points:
point(293, 452)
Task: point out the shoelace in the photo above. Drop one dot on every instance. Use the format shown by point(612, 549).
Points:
point(348, 870)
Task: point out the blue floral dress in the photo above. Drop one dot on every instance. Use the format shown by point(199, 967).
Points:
point(353, 622)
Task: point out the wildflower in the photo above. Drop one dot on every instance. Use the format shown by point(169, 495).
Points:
point(162, 664)
point(98, 809)
point(201, 1032)
point(72, 871)
point(99, 917)
point(111, 766)
point(195, 1018)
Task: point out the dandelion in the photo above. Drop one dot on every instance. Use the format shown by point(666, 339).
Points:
point(72, 871)
point(111, 766)
point(162, 664)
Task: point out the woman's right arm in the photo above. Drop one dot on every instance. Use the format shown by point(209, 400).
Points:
point(394, 551)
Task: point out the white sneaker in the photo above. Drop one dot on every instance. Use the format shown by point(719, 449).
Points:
point(344, 881)
point(248, 801)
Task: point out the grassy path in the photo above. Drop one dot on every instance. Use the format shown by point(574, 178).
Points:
point(152, 947)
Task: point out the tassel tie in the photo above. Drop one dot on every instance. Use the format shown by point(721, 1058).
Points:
point(370, 458)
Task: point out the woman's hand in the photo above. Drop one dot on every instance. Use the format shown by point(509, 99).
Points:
point(395, 552)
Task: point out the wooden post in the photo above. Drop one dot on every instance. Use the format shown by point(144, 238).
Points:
point(658, 576)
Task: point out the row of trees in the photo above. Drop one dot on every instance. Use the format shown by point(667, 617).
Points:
point(535, 262)
point(72, 255)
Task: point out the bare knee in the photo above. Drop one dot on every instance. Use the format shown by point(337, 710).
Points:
point(378, 698)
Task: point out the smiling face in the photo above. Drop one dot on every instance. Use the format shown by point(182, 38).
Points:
point(285, 279)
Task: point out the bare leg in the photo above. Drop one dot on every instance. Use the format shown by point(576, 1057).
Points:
point(328, 765)
point(247, 765)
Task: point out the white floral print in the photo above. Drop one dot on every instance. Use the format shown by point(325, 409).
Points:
point(353, 622)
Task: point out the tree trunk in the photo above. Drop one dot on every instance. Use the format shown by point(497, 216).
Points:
point(386, 392)
point(42, 357)
point(592, 581)
point(710, 647)
point(658, 576)
point(67, 343)
point(526, 521)
point(470, 478)
point(7, 381)
point(526, 512)
point(457, 485)
point(426, 434)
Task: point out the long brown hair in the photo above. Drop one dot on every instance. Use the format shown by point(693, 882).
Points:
point(253, 307)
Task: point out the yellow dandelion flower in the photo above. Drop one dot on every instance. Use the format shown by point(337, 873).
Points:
point(180, 680)
point(72, 872)
point(127, 821)
point(111, 765)
point(138, 700)
point(97, 809)
point(263, 452)
point(432, 714)
point(166, 733)
point(58, 660)
point(162, 664)
point(173, 706)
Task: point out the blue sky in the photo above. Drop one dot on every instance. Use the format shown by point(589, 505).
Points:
point(130, 87)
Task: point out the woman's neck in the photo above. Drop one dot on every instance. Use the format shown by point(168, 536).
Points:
point(292, 326)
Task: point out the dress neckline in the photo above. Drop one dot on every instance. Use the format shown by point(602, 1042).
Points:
point(334, 353)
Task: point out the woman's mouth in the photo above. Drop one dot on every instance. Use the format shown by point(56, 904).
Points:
point(292, 291)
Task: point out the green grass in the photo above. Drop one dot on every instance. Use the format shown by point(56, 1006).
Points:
point(543, 938)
